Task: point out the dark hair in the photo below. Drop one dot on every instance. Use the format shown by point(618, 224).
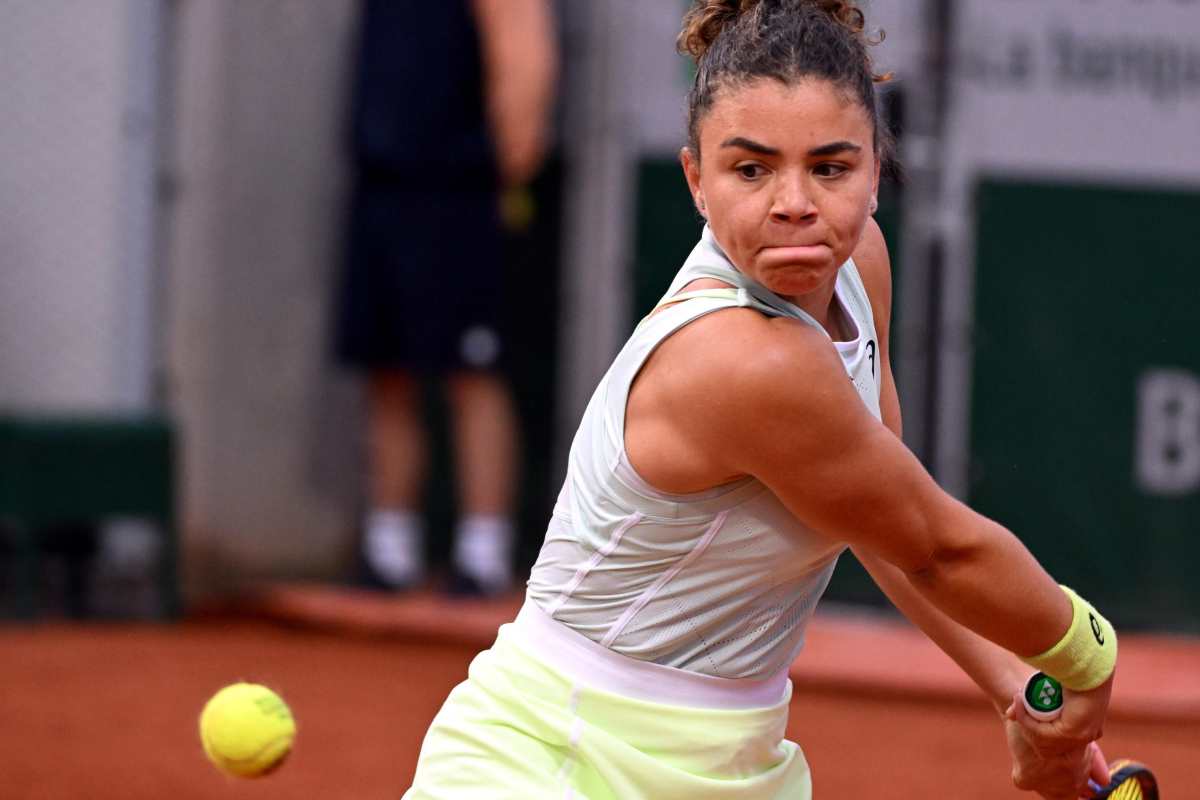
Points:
point(739, 40)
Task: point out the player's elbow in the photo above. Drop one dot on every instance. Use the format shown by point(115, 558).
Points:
point(955, 546)
point(942, 565)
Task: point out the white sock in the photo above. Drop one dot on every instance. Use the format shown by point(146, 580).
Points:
point(393, 545)
point(483, 547)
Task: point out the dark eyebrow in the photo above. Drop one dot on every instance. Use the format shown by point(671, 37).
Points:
point(834, 148)
point(831, 149)
point(751, 145)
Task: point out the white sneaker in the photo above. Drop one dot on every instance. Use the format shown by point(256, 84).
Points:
point(393, 548)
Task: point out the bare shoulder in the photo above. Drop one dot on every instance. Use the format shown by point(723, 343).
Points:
point(718, 387)
point(736, 353)
point(748, 373)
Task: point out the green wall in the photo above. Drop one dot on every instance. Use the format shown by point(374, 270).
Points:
point(1080, 290)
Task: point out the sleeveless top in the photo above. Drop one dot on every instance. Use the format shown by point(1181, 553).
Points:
point(721, 582)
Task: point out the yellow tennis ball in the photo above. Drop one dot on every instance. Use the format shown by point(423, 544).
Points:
point(247, 730)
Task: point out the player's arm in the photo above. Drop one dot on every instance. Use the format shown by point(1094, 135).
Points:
point(520, 67)
point(1043, 760)
point(796, 423)
point(771, 399)
point(995, 670)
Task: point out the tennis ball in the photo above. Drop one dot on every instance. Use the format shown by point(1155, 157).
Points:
point(247, 730)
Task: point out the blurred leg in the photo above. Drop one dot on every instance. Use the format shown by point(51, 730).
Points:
point(398, 449)
point(485, 443)
point(393, 542)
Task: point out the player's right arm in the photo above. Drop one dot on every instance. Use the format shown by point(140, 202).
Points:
point(787, 414)
point(1054, 760)
point(998, 672)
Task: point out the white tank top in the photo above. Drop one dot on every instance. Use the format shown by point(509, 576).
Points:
point(721, 582)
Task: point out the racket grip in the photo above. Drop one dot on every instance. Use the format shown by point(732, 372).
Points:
point(1043, 697)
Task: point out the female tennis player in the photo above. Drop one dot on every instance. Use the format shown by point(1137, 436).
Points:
point(746, 435)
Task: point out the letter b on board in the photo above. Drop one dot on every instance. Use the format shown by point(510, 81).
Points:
point(1168, 432)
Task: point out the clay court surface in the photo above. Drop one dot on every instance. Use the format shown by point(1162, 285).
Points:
point(109, 711)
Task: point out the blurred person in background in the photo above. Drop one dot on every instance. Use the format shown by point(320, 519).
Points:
point(450, 110)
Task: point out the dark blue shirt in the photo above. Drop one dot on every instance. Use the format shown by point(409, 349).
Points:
point(418, 104)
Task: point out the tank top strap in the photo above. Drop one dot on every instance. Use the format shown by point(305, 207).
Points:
point(667, 318)
point(729, 293)
point(853, 292)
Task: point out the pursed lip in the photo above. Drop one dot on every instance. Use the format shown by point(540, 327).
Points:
point(797, 249)
point(788, 245)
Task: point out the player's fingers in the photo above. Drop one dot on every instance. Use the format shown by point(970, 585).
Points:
point(1083, 771)
point(1059, 736)
point(1083, 714)
point(1050, 738)
point(1079, 725)
point(1031, 775)
point(1054, 778)
point(1016, 709)
point(1044, 737)
point(1099, 765)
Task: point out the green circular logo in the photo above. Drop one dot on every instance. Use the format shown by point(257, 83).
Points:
point(1044, 693)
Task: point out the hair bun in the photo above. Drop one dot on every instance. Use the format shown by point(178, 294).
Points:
point(844, 11)
point(707, 18)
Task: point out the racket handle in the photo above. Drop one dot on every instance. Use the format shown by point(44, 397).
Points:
point(1043, 697)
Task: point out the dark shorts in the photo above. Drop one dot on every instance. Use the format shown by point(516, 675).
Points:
point(424, 279)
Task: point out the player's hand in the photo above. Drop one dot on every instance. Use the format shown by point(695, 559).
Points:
point(1059, 775)
point(1081, 721)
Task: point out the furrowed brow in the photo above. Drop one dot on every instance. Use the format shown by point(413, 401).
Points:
point(751, 145)
point(834, 148)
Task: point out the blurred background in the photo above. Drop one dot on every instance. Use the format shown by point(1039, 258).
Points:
point(173, 182)
point(179, 439)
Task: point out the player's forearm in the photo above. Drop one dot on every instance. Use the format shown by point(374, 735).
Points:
point(995, 670)
point(982, 577)
point(520, 64)
point(518, 120)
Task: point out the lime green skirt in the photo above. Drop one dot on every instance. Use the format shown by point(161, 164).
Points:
point(523, 727)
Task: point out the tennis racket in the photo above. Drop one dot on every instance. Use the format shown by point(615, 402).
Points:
point(1127, 780)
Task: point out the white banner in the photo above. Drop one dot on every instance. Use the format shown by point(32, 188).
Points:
point(1079, 91)
point(1102, 88)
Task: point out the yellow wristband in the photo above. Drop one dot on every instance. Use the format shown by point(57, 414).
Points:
point(1086, 655)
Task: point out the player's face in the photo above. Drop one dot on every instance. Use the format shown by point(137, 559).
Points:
point(785, 179)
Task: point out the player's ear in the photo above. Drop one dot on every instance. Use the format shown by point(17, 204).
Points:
point(690, 162)
point(875, 186)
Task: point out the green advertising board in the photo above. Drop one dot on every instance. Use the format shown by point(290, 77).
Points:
point(1085, 405)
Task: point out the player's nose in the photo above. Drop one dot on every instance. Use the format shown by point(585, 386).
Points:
point(792, 200)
